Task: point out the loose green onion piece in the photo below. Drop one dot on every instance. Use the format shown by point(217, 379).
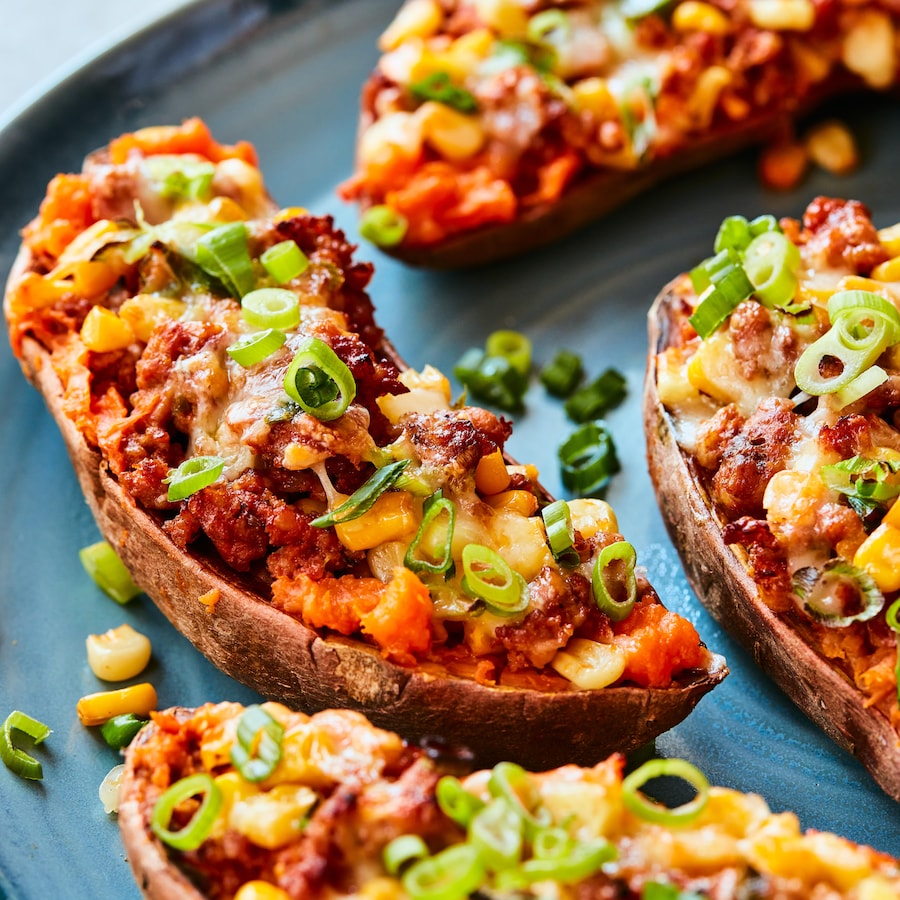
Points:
point(734, 234)
point(455, 801)
point(701, 275)
point(863, 384)
point(452, 874)
point(513, 347)
point(492, 379)
point(549, 24)
point(319, 380)
point(650, 811)
point(661, 890)
point(824, 593)
point(431, 548)
point(363, 498)
point(18, 761)
point(588, 459)
point(271, 308)
point(402, 850)
point(562, 374)
point(762, 224)
point(863, 478)
point(551, 843)
point(582, 861)
point(728, 288)
point(193, 475)
point(511, 782)
point(254, 348)
point(497, 832)
point(614, 568)
point(560, 534)
point(175, 177)
point(197, 830)
point(597, 398)
point(489, 577)
point(771, 262)
point(224, 254)
point(892, 617)
point(109, 572)
point(119, 731)
point(440, 87)
point(383, 226)
point(258, 748)
point(284, 261)
point(846, 301)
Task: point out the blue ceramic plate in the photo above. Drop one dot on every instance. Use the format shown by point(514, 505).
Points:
point(286, 76)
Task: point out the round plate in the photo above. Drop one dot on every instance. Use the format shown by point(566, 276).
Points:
point(286, 76)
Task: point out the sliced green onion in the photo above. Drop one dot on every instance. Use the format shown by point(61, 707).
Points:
point(120, 731)
point(271, 308)
point(562, 374)
point(254, 348)
point(109, 572)
point(178, 178)
point(452, 874)
point(846, 301)
point(383, 226)
point(663, 890)
point(588, 459)
point(650, 811)
point(319, 380)
point(224, 254)
point(508, 54)
point(440, 87)
point(492, 379)
point(863, 384)
point(193, 475)
point(436, 554)
point(607, 574)
point(402, 850)
point(582, 861)
point(547, 24)
point(18, 761)
point(497, 832)
point(638, 114)
point(733, 235)
point(258, 748)
point(197, 830)
point(552, 843)
point(284, 261)
point(823, 593)
point(771, 262)
point(762, 224)
point(728, 287)
point(490, 578)
point(363, 498)
point(511, 782)
point(455, 801)
point(513, 347)
point(892, 617)
point(597, 398)
point(560, 533)
point(862, 478)
point(701, 275)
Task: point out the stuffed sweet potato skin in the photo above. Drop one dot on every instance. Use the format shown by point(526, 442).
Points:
point(719, 576)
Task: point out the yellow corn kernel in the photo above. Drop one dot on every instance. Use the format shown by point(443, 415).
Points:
point(869, 49)
point(890, 239)
point(810, 62)
point(507, 17)
point(95, 709)
point(831, 146)
point(706, 93)
point(887, 271)
point(529, 470)
point(708, 370)
point(875, 887)
point(144, 312)
point(589, 665)
point(858, 283)
point(491, 474)
point(429, 379)
point(290, 212)
point(391, 517)
point(118, 654)
point(103, 331)
point(468, 50)
point(520, 540)
point(260, 890)
point(382, 889)
point(594, 96)
point(109, 789)
point(417, 18)
point(454, 135)
point(591, 517)
point(232, 785)
point(879, 555)
point(672, 383)
point(429, 391)
point(235, 175)
point(224, 209)
point(522, 502)
point(693, 15)
point(393, 135)
point(274, 818)
point(783, 15)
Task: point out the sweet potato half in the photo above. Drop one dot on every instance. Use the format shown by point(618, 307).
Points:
point(722, 576)
point(238, 627)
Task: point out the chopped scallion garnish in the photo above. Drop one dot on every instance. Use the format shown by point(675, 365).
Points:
point(319, 380)
point(363, 499)
point(594, 400)
point(102, 563)
point(651, 811)
point(284, 261)
point(257, 750)
point(193, 475)
point(254, 348)
point(192, 835)
point(490, 578)
point(224, 254)
point(588, 459)
point(439, 86)
point(271, 308)
point(562, 374)
point(18, 761)
point(613, 573)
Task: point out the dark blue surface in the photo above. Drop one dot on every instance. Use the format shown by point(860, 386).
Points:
point(286, 76)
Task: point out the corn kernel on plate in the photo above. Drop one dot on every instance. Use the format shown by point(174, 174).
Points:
point(287, 77)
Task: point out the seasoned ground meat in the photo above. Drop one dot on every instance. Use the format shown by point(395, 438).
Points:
point(767, 562)
point(841, 233)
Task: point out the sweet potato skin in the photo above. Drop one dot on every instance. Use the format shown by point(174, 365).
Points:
point(282, 659)
point(718, 575)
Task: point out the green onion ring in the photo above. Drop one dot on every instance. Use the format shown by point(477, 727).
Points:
point(543, 24)
point(515, 784)
point(562, 374)
point(284, 261)
point(224, 254)
point(439, 86)
point(813, 587)
point(845, 301)
point(271, 308)
point(254, 348)
point(319, 380)
point(588, 459)
point(383, 226)
point(560, 533)
point(771, 263)
point(193, 475)
point(120, 731)
point(440, 564)
point(402, 850)
point(18, 761)
point(102, 563)
point(497, 832)
point(258, 748)
point(363, 498)
point(597, 398)
point(733, 234)
point(452, 874)
point(650, 811)
point(620, 551)
point(513, 346)
point(862, 385)
point(490, 578)
point(582, 861)
point(197, 830)
point(552, 843)
point(455, 801)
